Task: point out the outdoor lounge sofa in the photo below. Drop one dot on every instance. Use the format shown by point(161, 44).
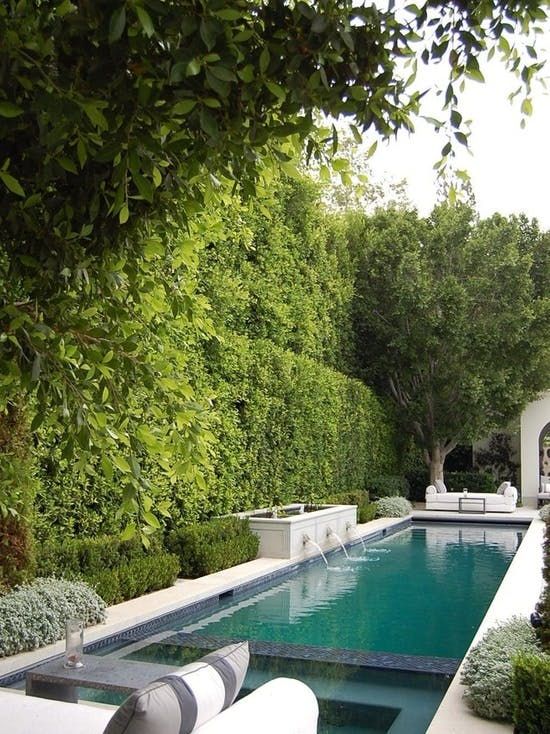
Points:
point(281, 705)
point(503, 500)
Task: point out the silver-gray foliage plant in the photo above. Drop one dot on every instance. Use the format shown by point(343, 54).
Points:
point(393, 507)
point(544, 513)
point(34, 614)
point(488, 669)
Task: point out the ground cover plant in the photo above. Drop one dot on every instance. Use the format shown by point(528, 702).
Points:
point(393, 507)
point(488, 668)
point(34, 614)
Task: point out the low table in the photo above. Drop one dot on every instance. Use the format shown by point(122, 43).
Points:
point(465, 499)
point(52, 680)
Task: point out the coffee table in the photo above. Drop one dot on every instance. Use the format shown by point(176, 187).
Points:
point(480, 501)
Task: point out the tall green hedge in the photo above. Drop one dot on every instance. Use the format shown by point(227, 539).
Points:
point(292, 428)
point(286, 424)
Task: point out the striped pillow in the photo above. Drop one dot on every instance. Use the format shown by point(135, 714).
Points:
point(185, 699)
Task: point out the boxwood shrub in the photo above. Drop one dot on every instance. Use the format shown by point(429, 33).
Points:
point(388, 486)
point(531, 700)
point(34, 615)
point(365, 509)
point(117, 569)
point(211, 546)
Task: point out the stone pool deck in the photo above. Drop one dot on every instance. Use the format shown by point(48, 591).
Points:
point(517, 594)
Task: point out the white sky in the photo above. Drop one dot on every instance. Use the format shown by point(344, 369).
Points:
point(509, 168)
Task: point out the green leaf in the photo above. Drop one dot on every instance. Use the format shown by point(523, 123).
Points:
point(264, 60)
point(527, 107)
point(246, 74)
point(193, 67)
point(106, 468)
point(7, 109)
point(121, 463)
point(228, 14)
point(65, 8)
point(123, 214)
point(151, 520)
point(11, 183)
point(145, 21)
point(95, 115)
point(67, 164)
point(37, 421)
point(184, 106)
point(276, 89)
point(36, 368)
point(81, 152)
point(223, 73)
point(208, 124)
point(117, 24)
point(129, 532)
point(462, 138)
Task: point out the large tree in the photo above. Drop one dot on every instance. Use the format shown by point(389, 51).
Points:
point(452, 323)
point(119, 117)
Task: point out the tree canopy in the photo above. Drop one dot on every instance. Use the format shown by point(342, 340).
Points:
point(451, 322)
point(119, 121)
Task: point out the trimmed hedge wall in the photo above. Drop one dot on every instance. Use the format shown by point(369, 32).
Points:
point(286, 424)
point(118, 570)
point(213, 546)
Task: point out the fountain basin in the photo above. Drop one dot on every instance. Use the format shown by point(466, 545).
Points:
point(283, 537)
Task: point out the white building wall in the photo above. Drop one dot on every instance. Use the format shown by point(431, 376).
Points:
point(533, 419)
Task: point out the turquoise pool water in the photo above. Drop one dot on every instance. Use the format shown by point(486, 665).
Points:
point(417, 596)
point(422, 591)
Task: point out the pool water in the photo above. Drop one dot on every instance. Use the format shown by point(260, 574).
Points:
point(411, 602)
point(422, 591)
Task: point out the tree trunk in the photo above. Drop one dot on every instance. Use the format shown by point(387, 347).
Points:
point(436, 461)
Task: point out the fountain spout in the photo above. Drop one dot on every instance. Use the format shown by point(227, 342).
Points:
point(349, 527)
point(306, 539)
point(330, 532)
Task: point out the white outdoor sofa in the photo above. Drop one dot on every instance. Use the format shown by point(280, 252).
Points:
point(503, 500)
point(281, 705)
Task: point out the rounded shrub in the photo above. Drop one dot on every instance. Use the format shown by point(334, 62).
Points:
point(34, 615)
point(393, 507)
point(488, 669)
point(544, 513)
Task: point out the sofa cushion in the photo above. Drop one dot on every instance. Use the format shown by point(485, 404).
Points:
point(440, 486)
point(502, 487)
point(185, 699)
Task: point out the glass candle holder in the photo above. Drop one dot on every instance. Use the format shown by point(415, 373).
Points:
point(74, 643)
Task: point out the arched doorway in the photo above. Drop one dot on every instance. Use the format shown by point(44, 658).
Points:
point(544, 456)
point(535, 448)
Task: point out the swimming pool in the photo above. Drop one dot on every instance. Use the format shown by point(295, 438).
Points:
point(377, 636)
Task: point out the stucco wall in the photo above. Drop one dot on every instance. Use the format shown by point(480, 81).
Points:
point(533, 419)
